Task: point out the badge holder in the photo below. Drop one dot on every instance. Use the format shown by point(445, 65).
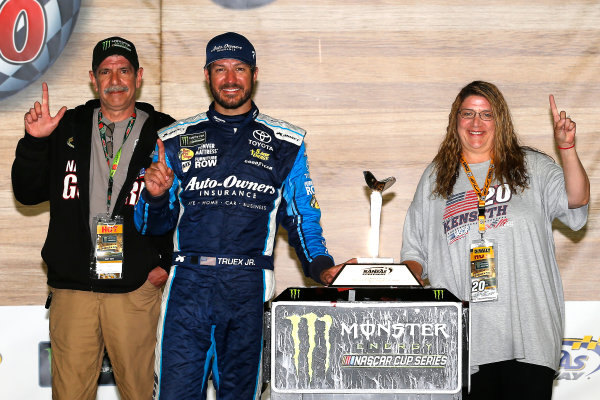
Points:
point(107, 262)
point(484, 280)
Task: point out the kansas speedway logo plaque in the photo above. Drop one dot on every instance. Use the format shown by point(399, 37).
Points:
point(33, 34)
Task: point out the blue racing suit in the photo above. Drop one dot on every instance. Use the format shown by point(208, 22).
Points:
point(235, 180)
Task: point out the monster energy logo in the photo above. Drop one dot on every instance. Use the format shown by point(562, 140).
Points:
point(311, 319)
point(49, 350)
point(105, 44)
point(438, 294)
point(193, 139)
point(45, 364)
point(295, 293)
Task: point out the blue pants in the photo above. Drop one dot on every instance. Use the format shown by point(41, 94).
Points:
point(211, 320)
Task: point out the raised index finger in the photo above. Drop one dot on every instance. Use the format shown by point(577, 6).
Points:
point(161, 151)
point(554, 109)
point(45, 106)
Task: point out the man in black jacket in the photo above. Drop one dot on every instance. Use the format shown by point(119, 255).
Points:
point(104, 277)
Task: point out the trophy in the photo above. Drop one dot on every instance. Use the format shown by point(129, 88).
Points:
point(377, 189)
point(375, 270)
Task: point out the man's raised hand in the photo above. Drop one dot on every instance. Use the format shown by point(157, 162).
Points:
point(38, 121)
point(159, 177)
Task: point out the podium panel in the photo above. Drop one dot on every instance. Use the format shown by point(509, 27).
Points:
point(382, 341)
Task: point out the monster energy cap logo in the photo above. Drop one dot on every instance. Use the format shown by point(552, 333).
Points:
point(438, 294)
point(295, 293)
point(114, 46)
point(115, 42)
point(311, 319)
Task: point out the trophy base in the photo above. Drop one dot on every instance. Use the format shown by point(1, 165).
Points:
point(375, 272)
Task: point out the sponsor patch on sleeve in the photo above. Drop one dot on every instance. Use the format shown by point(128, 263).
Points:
point(192, 139)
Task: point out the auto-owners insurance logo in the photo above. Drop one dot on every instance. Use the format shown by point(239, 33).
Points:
point(32, 37)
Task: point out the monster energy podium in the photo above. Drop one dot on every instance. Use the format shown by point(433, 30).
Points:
point(367, 343)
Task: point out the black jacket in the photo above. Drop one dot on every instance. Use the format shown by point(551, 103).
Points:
point(56, 169)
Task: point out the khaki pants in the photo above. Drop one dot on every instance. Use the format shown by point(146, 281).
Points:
point(82, 324)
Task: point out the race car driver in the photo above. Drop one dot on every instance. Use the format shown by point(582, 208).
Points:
point(226, 179)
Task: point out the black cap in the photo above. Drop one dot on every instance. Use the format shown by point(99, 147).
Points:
point(114, 46)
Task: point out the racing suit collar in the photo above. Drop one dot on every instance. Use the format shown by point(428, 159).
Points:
point(233, 121)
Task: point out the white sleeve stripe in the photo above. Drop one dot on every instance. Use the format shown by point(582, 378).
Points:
point(179, 127)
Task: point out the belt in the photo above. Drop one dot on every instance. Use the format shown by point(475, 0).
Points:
point(264, 262)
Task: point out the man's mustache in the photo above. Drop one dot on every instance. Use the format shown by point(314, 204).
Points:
point(112, 89)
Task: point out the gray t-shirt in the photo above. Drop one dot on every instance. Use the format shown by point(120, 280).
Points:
point(99, 169)
point(526, 322)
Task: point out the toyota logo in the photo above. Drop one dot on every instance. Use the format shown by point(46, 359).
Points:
point(262, 136)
